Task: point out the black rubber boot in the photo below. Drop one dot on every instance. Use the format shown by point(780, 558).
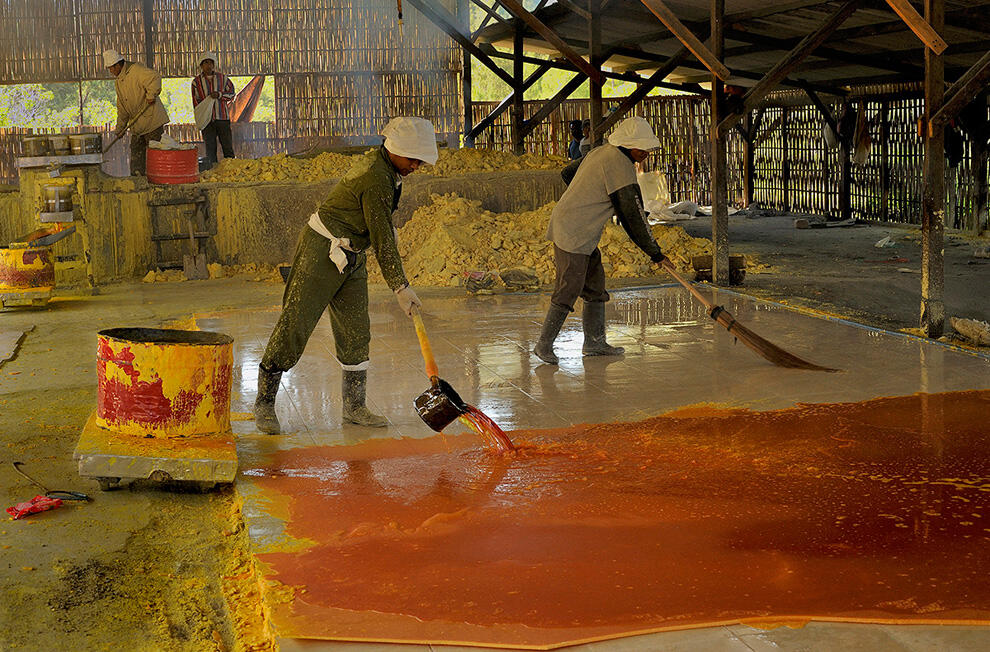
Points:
point(551, 327)
point(354, 394)
point(593, 318)
point(264, 406)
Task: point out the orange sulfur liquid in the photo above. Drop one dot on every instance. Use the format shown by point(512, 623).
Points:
point(876, 511)
point(485, 426)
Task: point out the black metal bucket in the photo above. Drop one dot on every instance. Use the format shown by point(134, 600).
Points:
point(440, 405)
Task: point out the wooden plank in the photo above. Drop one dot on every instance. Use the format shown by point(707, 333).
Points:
point(932, 320)
point(790, 61)
point(962, 92)
point(823, 110)
point(439, 17)
point(506, 102)
point(551, 37)
point(921, 27)
point(687, 37)
point(518, 92)
point(717, 142)
point(551, 105)
point(595, 50)
point(649, 84)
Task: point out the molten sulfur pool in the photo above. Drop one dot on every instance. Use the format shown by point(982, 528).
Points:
point(864, 512)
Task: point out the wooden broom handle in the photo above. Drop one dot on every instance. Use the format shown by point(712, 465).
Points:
point(424, 346)
point(670, 269)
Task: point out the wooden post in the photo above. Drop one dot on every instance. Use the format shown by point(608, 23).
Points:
point(148, 7)
point(748, 160)
point(785, 165)
point(932, 320)
point(517, 90)
point(845, 172)
point(595, 49)
point(719, 185)
point(464, 11)
point(978, 219)
point(885, 160)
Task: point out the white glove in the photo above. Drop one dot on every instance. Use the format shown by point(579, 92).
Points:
point(407, 299)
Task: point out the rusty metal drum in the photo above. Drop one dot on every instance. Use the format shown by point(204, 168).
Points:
point(86, 143)
point(29, 268)
point(163, 383)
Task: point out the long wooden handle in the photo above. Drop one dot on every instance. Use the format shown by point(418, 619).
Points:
point(129, 125)
point(424, 345)
point(670, 269)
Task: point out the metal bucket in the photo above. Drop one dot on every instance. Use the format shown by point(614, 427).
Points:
point(58, 198)
point(440, 405)
point(59, 144)
point(163, 383)
point(86, 143)
point(35, 146)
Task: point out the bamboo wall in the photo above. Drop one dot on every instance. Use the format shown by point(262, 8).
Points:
point(794, 169)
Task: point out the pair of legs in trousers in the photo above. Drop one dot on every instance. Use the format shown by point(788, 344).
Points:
point(578, 275)
point(314, 285)
point(218, 130)
point(139, 150)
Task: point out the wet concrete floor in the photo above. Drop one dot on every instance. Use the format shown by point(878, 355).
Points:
point(675, 357)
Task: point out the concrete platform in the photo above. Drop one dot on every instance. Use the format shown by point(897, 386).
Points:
point(675, 356)
point(104, 454)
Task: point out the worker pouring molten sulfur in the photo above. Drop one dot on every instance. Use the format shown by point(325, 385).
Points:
point(600, 184)
point(329, 270)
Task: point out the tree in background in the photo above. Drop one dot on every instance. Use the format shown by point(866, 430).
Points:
point(35, 105)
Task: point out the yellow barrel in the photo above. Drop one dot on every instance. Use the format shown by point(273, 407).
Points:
point(163, 383)
point(30, 268)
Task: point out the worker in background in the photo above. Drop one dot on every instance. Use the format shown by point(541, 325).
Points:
point(601, 185)
point(212, 94)
point(138, 89)
point(574, 149)
point(585, 145)
point(328, 270)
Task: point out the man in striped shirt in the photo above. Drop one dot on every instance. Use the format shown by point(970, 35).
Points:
point(211, 84)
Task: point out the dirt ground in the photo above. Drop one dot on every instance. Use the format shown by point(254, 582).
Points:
point(154, 568)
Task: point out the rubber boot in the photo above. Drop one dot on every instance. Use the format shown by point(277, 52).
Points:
point(593, 318)
point(354, 394)
point(264, 406)
point(551, 327)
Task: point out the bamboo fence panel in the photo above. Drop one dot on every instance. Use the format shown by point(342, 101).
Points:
point(39, 41)
point(106, 24)
point(239, 31)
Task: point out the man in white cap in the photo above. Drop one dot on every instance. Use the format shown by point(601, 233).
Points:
point(212, 93)
point(328, 270)
point(600, 184)
point(138, 88)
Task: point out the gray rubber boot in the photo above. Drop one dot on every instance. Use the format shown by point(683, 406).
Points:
point(593, 318)
point(264, 406)
point(551, 327)
point(354, 395)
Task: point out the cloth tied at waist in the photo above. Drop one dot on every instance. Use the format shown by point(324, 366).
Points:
point(337, 245)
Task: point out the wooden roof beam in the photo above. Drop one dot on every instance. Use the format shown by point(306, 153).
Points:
point(648, 85)
point(963, 92)
point(780, 71)
point(517, 9)
point(918, 25)
point(687, 37)
point(507, 101)
point(437, 15)
point(550, 105)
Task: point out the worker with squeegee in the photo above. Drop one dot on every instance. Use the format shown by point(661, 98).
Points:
point(328, 270)
point(600, 184)
point(139, 107)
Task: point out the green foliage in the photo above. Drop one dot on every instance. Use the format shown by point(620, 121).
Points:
point(34, 105)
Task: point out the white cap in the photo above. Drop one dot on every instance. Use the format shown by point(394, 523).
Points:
point(111, 57)
point(634, 133)
point(208, 55)
point(412, 138)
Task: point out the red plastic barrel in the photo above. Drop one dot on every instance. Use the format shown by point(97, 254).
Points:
point(173, 165)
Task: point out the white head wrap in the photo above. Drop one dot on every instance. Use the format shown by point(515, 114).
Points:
point(412, 138)
point(634, 133)
point(111, 57)
point(208, 55)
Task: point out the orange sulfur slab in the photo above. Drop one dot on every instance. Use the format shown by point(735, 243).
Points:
point(865, 512)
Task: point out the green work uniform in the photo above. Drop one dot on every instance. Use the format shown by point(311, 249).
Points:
point(360, 209)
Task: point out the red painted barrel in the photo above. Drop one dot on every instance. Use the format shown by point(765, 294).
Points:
point(173, 165)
